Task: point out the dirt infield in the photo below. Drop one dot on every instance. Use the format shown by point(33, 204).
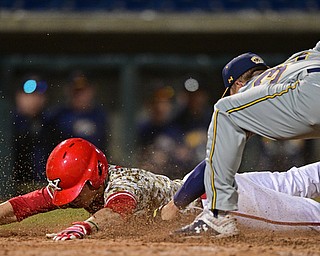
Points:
point(139, 238)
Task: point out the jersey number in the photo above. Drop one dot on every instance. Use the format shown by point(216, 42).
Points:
point(273, 75)
point(270, 76)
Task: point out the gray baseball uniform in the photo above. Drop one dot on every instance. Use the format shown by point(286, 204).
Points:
point(282, 103)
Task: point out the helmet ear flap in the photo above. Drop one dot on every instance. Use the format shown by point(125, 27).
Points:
point(100, 170)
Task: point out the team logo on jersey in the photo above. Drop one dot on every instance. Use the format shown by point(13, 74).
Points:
point(256, 59)
point(54, 184)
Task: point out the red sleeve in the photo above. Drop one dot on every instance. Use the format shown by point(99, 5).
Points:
point(32, 203)
point(121, 202)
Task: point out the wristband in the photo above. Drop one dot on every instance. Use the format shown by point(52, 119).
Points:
point(93, 224)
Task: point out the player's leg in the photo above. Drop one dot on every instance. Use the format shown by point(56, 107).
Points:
point(224, 152)
point(219, 179)
point(302, 181)
point(261, 207)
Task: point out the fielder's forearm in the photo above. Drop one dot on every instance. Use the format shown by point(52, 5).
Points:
point(169, 211)
point(192, 188)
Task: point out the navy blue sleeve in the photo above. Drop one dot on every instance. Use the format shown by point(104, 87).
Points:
point(193, 187)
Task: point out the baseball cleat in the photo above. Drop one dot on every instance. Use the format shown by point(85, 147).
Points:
point(224, 225)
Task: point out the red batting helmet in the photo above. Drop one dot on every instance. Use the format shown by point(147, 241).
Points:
point(70, 165)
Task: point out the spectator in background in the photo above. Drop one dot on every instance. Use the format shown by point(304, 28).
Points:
point(173, 136)
point(158, 117)
point(192, 122)
point(80, 116)
point(30, 150)
point(282, 154)
point(156, 134)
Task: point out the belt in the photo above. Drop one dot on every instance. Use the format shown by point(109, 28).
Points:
point(312, 70)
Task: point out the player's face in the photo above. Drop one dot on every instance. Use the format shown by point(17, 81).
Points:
point(86, 196)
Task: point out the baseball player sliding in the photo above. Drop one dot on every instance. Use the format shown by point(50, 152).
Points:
point(279, 103)
point(79, 176)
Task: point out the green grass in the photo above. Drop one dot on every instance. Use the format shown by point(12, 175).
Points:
point(63, 217)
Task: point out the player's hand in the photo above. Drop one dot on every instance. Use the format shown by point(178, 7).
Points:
point(77, 231)
point(169, 211)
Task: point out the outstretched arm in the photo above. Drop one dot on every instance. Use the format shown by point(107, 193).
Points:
point(24, 206)
point(118, 207)
point(101, 220)
point(6, 213)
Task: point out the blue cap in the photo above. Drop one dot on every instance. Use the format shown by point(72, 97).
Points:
point(238, 66)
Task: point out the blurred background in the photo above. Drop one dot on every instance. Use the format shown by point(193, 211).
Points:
point(115, 71)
